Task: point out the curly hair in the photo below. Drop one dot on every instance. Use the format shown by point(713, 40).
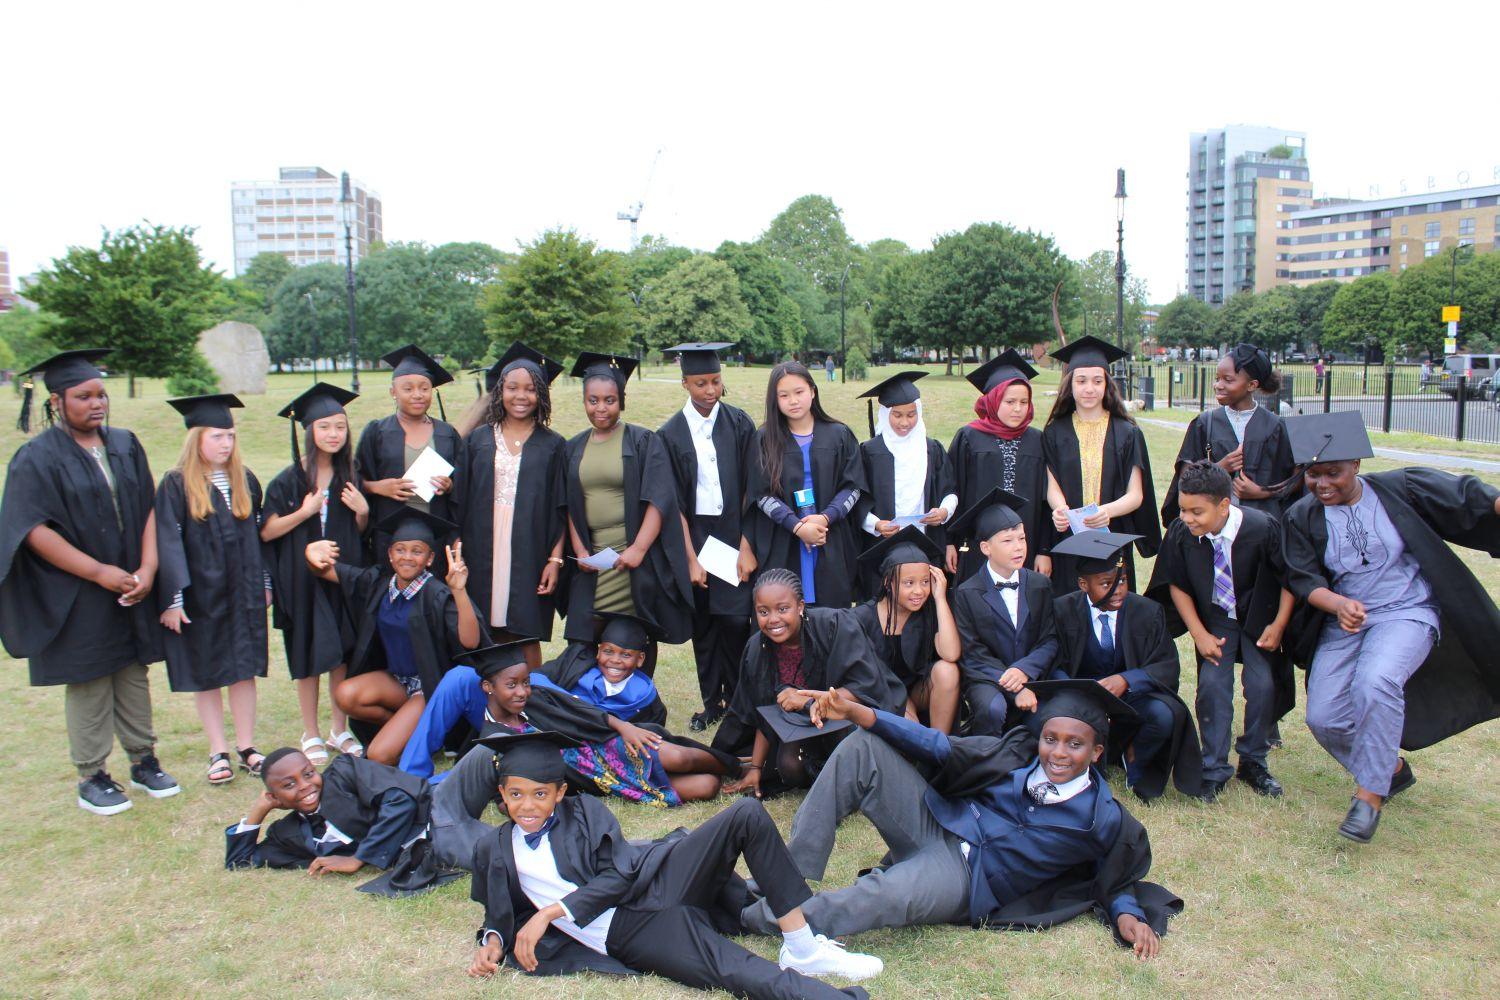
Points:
point(1204, 479)
point(494, 414)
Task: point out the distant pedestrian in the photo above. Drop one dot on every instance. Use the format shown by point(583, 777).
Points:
point(1318, 374)
point(1426, 373)
point(828, 366)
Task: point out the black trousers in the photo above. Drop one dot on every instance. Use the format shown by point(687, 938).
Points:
point(718, 643)
point(676, 927)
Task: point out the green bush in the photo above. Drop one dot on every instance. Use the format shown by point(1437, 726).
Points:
point(194, 378)
point(856, 365)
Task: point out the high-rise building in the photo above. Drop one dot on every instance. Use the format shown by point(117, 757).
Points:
point(1344, 239)
point(297, 216)
point(1244, 183)
point(7, 290)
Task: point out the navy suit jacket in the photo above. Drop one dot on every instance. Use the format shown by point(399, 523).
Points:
point(992, 643)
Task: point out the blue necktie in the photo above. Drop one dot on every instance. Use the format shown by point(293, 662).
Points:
point(1106, 640)
point(534, 839)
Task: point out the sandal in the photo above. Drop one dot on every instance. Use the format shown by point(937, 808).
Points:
point(245, 765)
point(347, 743)
point(314, 749)
point(220, 772)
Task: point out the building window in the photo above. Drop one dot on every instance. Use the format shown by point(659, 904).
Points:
point(1429, 248)
point(1430, 230)
point(1466, 227)
point(1471, 203)
point(1403, 229)
point(1403, 248)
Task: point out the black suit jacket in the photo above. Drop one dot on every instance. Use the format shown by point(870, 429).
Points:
point(992, 643)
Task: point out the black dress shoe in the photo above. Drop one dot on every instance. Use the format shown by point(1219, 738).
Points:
point(1257, 777)
point(1403, 780)
point(1211, 789)
point(702, 720)
point(1360, 823)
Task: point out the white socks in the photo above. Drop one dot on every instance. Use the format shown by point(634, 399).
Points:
point(800, 943)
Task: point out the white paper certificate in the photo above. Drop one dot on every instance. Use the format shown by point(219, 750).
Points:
point(720, 560)
point(906, 520)
point(428, 464)
point(602, 560)
point(1077, 515)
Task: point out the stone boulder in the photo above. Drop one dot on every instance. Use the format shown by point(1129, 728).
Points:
point(237, 353)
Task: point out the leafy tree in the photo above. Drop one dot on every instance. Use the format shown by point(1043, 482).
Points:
point(195, 377)
point(395, 301)
point(1185, 322)
point(819, 310)
point(264, 272)
point(1359, 313)
point(776, 327)
point(1232, 321)
point(1312, 305)
point(899, 304)
point(27, 334)
point(809, 234)
point(1274, 320)
point(561, 296)
point(1096, 298)
point(144, 292)
point(1414, 320)
point(459, 274)
point(649, 262)
point(698, 300)
point(309, 316)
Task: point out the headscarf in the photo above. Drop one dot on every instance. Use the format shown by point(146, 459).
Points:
point(910, 453)
point(1252, 361)
point(988, 409)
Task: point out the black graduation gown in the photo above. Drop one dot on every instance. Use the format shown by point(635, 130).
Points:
point(973, 466)
point(1124, 451)
point(381, 454)
point(1143, 643)
point(834, 455)
point(907, 657)
point(835, 653)
point(1268, 456)
point(879, 498)
point(660, 586)
point(71, 629)
point(733, 439)
point(1459, 684)
point(1258, 568)
point(314, 621)
point(217, 565)
point(537, 523)
point(432, 624)
point(976, 763)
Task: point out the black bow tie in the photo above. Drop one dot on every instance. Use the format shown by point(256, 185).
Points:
point(533, 839)
point(1008, 585)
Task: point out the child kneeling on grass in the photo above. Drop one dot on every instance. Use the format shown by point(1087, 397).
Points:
point(563, 891)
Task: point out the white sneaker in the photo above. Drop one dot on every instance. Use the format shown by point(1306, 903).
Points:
point(830, 959)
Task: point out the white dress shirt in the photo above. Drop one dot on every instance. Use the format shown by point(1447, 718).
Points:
point(1231, 529)
point(1010, 595)
point(709, 495)
point(1062, 792)
point(543, 884)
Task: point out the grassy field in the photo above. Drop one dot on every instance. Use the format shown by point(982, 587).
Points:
point(1277, 903)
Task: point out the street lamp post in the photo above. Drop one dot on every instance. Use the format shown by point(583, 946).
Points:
point(346, 211)
point(1120, 257)
point(843, 343)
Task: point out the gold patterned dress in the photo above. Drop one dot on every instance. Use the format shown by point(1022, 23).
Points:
point(1091, 438)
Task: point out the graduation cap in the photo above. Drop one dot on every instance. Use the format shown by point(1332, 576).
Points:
point(1003, 367)
point(1088, 352)
point(518, 355)
point(61, 372)
point(207, 411)
point(898, 390)
point(412, 360)
point(909, 545)
point(792, 728)
point(616, 367)
point(1086, 700)
point(1328, 437)
point(535, 756)
point(412, 525)
point(1096, 551)
point(629, 631)
point(488, 661)
point(322, 400)
point(996, 511)
point(698, 359)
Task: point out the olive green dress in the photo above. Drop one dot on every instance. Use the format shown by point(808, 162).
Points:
point(601, 474)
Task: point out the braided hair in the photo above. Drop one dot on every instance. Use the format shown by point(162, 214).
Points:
point(778, 577)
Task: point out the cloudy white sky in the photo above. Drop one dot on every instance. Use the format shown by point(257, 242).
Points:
point(492, 122)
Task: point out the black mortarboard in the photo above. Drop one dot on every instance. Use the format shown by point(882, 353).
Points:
point(628, 631)
point(1328, 437)
point(518, 355)
point(535, 756)
point(412, 525)
point(611, 366)
point(909, 545)
point(898, 390)
point(996, 511)
point(1088, 701)
point(1088, 352)
point(207, 411)
point(794, 727)
point(63, 371)
point(488, 661)
point(1096, 551)
point(322, 400)
point(1003, 367)
point(412, 360)
point(698, 359)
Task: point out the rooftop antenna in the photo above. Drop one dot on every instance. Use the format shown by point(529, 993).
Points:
point(632, 213)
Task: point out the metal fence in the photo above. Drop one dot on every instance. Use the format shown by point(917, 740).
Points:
point(1392, 398)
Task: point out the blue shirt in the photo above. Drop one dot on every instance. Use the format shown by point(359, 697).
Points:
point(390, 622)
point(809, 556)
point(1015, 845)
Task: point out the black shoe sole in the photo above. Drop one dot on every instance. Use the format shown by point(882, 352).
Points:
point(1358, 840)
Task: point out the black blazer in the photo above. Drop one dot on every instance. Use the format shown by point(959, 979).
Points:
point(992, 643)
point(1255, 562)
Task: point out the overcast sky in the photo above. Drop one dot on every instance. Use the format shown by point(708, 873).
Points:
point(479, 122)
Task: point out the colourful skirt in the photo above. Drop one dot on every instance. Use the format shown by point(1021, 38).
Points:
point(617, 770)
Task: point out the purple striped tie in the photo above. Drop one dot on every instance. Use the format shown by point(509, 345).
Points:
point(1223, 579)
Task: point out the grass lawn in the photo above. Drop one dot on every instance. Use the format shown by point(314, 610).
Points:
point(140, 905)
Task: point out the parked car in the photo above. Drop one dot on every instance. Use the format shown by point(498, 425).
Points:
point(1478, 370)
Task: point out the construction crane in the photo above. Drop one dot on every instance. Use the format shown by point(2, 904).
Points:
point(632, 214)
